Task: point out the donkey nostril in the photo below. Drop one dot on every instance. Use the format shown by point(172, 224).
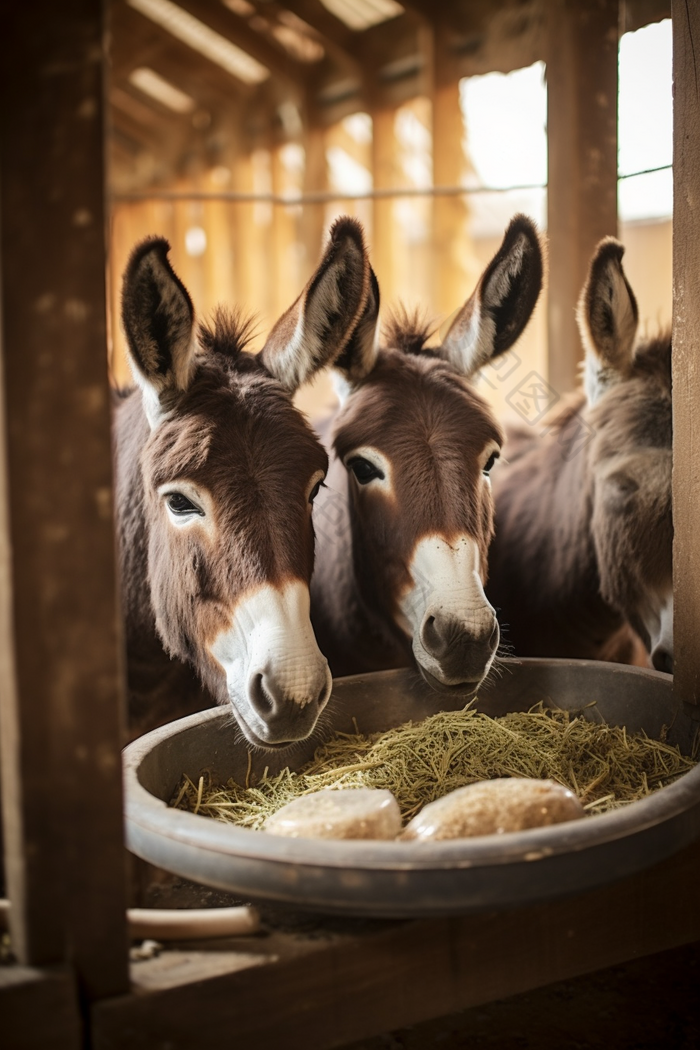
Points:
point(262, 702)
point(322, 697)
point(662, 660)
point(432, 638)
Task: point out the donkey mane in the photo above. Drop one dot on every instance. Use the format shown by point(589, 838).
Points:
point(228, 333)
point(652, 358)
point(407, 330)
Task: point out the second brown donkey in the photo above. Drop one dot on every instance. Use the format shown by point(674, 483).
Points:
point(404, 524)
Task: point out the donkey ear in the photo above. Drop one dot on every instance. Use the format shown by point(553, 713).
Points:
point(317, 327)
point(501, 305)
point(158, 319)
point(607, 318)
point(360, 354)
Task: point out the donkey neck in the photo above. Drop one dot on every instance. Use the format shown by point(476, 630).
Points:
point(130, 434)
point(543, 566)
point(159, 687)
point(353, 636)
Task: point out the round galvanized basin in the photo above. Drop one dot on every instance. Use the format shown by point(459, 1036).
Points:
point(415, 879)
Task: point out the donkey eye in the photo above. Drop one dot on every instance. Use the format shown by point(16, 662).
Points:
point(315, 490)
point(490, 461)
point(180, 504)
point(363, 470)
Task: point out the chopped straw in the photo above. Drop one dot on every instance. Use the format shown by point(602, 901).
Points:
point(419, 762)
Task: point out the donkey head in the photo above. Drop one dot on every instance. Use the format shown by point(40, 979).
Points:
point(230, 469)
point(628, 387)
point(418, 443)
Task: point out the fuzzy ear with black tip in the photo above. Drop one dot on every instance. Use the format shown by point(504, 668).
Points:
point(607, 318)
point(316, 328)
point(158, 319)
point(360, 354)
point(497, 312)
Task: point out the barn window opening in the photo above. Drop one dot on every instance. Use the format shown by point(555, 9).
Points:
point(505, 117)
point(361, 14)
point(160, 89)
point(202, 38)
point(195, 241)
point(645, 129)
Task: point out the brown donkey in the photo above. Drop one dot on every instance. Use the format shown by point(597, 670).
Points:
point(583, 513)
point(216, 472)
point(403, 528)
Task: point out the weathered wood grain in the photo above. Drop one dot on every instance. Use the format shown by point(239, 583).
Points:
point(582, 177)
point(323, 991)
point(686, 348)
point(60, 648)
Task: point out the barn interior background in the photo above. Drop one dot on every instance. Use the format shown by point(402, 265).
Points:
point(238, 129)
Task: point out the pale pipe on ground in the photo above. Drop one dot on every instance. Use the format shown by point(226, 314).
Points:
point(179, 924)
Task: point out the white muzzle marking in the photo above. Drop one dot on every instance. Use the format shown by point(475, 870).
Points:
point(271, 635)
point(659, 623)
point(446, 583)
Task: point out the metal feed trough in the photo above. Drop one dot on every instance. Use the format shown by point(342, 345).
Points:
point(390, 879)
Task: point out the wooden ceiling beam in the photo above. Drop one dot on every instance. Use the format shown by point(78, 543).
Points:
point(332, 30)
point(274, 57)
point(334, 41)
point(136, 41)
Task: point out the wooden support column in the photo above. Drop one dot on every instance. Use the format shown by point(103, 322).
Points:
point(686, 349)
point(452, 273)
point(582, 192)
point(313, 219)
point(60, 647)
point(385, 175)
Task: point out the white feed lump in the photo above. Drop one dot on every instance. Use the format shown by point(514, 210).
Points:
point(348, 813)
point(492, 807)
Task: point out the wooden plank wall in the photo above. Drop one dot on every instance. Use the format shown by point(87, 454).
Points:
point(686, 349)
point(60, 646)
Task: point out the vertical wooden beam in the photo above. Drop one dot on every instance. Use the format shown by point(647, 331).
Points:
point(284, 267)
point(582, 192)
point(453, 253)
point(313, 219)
point(686, 348)
point(385, 176)
point(60, 648)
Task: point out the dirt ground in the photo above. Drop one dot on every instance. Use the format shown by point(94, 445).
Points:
point(648, 1004)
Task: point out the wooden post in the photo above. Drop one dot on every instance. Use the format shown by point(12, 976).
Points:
point(313, 219)
point(686, 349)
point(582, 191)
point(385, 176)
point(453, 276)
point(60, 647)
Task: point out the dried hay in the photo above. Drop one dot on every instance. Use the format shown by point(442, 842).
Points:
point(419, 762)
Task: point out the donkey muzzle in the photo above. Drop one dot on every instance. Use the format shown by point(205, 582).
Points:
point(277, 680)
point(458, 654)
point(286, 718)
